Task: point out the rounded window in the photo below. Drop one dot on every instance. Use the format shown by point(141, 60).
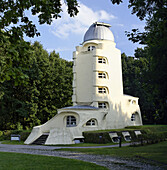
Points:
point(102, 60)
point(91, 122)
point(102, 75)
point(103, 90)
point(71, 121)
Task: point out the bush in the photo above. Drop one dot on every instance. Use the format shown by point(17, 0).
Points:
point(151, 138)
point(1, 133)
point(91, 137)
point(16, 132)
point(24, 135)
point(6, 135)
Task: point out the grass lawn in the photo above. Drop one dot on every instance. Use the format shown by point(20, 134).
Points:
point(17, 161)
point(156, 152)
point(12, 142)
point(71, 145)
point(85, 144)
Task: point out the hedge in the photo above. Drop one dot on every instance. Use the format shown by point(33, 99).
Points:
point(6, 134)
point(103, 137)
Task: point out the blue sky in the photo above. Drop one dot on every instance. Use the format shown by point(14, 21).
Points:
point(64, 34)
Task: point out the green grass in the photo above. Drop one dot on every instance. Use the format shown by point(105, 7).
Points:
point(156, 152)
point(15, 161)
point(85, 144)
point(9, 142)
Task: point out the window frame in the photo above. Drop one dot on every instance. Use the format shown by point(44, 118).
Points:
point(91, 122)
point(102, 75)
point(102, 60)
point(102, 105)
point(102, 90)
point(133, 117)
point(91, 48)
point(71, 121)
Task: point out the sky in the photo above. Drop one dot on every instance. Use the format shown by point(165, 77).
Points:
point(65, 33)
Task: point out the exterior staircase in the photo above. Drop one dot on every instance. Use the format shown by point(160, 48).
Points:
point(41, 140)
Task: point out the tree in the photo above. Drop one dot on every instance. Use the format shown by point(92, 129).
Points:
point(144, 8)
point(155, 39)
point(15, 59)
point(27, 73)
point(13, 12)
point(30, 101)
point(136, 82)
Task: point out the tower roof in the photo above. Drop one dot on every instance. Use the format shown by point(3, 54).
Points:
point(99, 31)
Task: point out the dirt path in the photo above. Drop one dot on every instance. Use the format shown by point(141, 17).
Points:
point(107, 161)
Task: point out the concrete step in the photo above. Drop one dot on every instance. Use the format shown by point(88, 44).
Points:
point(41, 140)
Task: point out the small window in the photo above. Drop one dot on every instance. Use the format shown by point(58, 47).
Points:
point(134, 102)
point(102, 105)
point(133, 117)
point(101, 60)
point(71, 121)
point(91, 48)
point(91, 122)
point(102, 75)
point(102, 90)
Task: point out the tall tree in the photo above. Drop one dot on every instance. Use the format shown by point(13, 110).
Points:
point(136, 82)
point(15, 59)
point(45, 84)
point(155, 38)
point(14, 12)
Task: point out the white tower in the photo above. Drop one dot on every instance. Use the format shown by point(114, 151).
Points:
point(98, 99)
point(97, 68)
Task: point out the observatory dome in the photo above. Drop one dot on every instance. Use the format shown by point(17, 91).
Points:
point(99, 31)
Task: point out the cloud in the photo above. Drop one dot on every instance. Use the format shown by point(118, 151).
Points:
point(66, 25)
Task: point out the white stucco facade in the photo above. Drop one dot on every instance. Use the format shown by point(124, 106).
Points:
point(98, 99)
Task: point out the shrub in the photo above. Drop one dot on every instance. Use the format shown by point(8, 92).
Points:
point(6, 135)
point(1, 133)
point(102, 137)
point(24, 135)
point(16, 132)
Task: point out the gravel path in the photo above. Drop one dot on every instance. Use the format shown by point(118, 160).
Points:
point(107, 161)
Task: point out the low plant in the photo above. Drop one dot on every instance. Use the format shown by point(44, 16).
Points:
point(6, 135)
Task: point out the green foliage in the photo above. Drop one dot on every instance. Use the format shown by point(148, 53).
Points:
point(145, 8)
point(150, 134)
point(14, 12)
point(24, 135)
point(103, 137)
point(137, 81)
point(6, 135)
point(90, 137)
point(154, 37)
point(43, 85)
point(154, 137)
